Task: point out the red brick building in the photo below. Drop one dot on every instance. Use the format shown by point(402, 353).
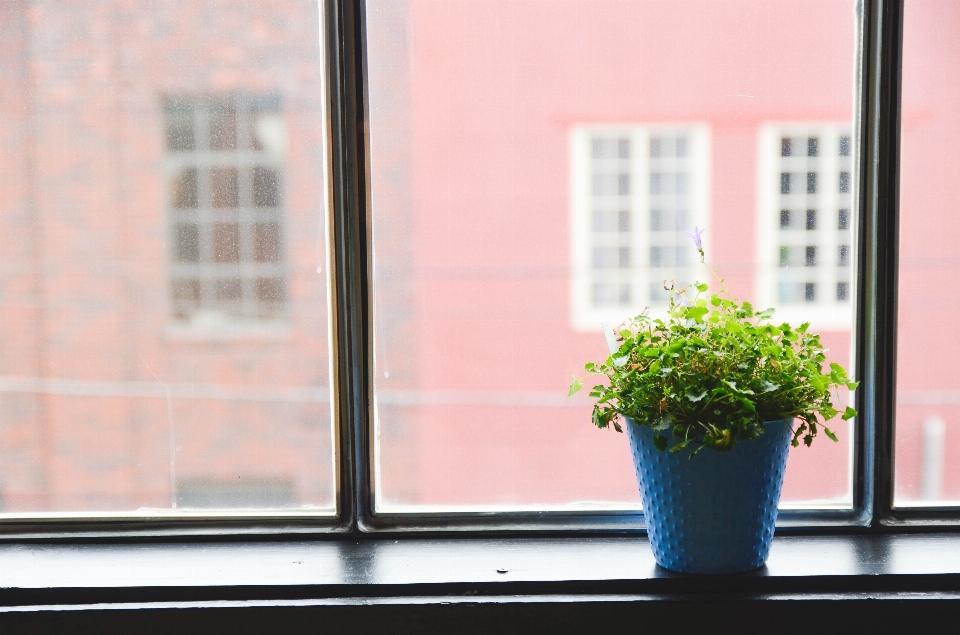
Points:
point(163, 312)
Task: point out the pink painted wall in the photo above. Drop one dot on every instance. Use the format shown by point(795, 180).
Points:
point(494, 91)
point(929, 307)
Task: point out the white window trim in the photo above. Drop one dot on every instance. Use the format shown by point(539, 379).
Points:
point(584, 316)
point(822, 316)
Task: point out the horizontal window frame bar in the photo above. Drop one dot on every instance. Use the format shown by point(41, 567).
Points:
point(135, 529)
point(918, 516)
point(574, 523)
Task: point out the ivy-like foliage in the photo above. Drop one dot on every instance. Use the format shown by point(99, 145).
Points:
point(712, 373)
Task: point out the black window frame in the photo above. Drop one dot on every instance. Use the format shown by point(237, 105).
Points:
point(878, 68)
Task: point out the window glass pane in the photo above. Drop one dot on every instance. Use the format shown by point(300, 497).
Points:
point(163, 316)
point(928, 379)
point(535, 168)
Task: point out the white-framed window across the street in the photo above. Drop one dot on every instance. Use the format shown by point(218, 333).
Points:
point(805, 223)
point(635, 192)
point(224, 160)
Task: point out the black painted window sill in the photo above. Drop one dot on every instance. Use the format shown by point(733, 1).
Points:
point(450, 570)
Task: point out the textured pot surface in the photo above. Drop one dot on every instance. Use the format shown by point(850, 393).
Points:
point(714, 513)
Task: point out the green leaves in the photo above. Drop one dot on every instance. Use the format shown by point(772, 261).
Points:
point(766, 386)
point(660, 442)
point(575, 386)
point(697, 312)
point(712, 373)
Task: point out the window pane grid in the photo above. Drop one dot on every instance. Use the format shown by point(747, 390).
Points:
point(225, 190)
point(644, 193)
point(808, 220)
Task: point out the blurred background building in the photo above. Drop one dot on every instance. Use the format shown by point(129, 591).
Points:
point(162, 272)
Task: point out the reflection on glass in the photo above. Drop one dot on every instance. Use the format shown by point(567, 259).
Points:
point(535, 168)
point(152, 357)
point(928, 378)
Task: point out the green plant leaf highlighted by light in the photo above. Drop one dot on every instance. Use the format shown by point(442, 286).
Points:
point(712, 372)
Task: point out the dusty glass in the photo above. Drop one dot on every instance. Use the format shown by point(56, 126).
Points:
point(534, 168)
point(163, 314)
point(928, 381)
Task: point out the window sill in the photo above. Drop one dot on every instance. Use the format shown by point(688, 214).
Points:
point(276, 330)
point(420, 581)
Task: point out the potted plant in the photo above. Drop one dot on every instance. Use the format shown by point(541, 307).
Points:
point(712, 397)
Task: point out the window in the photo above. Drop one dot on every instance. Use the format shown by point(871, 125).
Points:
point(927, 384)
point(810, 279)
point(637, 191)
point(166, 349)
point(225, 163)
point(534, 177)
point(166, 341)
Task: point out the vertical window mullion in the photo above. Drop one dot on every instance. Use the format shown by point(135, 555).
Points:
point(879, 194)
point(349, 254)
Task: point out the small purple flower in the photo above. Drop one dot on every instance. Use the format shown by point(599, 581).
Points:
point(695, 234)
point(682, 300)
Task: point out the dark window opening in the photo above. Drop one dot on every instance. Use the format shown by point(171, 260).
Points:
point(786, 146)
point(183, 189)
point(656, 257)
point(186, 243)
point(222, 126)
point(841, 291)
point(843, 219)
point(225, 187)
point(266, 187)
point(844, 146)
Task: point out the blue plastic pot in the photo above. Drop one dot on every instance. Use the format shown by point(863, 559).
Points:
point(714, 513)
